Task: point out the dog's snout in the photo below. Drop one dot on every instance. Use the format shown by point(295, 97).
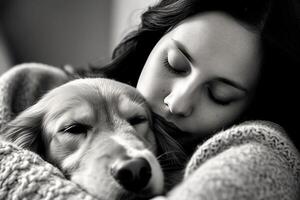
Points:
point(133, 174)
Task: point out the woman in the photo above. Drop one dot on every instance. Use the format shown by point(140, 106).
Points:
point(205, 65)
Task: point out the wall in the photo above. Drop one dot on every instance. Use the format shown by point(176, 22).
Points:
point(125, 17)
point(75, 32)
point(58, 32)
point(5, 57)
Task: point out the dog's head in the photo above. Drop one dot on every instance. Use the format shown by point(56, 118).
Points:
point(97, 131)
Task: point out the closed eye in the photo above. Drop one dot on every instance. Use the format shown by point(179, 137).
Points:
point(218, 100)
point(224, 92)
point(137, 120)
point(76, 129)
point(171, 69)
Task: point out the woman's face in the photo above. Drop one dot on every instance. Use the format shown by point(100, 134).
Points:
point(202, 74)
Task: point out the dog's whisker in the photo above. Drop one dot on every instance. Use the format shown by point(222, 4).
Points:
point(169, 163)
point(168, 169)
point(167, 154)
point(171, 166)
point(152, 148)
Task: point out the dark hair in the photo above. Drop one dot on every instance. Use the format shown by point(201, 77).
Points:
point(278, 25)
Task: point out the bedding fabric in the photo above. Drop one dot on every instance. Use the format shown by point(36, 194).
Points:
point(254, 160)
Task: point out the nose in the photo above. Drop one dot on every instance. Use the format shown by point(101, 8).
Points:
point(179, 102)
point(133, 174)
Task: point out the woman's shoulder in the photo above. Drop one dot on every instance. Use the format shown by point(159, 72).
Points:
point(265, 135)
point(252, 159)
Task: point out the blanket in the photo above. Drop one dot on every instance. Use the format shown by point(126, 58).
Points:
point(253, 160)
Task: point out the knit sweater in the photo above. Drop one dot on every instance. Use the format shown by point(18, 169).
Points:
point(253, 160)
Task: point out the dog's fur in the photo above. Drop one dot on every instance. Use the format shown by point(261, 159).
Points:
point(86, 125)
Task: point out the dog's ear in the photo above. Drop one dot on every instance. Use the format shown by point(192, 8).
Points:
point(26, 130)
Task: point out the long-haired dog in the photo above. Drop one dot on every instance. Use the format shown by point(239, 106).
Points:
point(97, 131)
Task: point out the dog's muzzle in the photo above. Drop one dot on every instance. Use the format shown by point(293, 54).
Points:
point(132, 173)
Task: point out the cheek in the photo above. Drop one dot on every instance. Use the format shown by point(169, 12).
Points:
point(212, 118)
point(152, 83)
point(223, 118)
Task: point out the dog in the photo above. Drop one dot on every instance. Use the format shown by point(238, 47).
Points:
point(97, 131)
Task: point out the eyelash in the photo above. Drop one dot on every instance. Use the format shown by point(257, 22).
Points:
point(76, 128)
point(170, 68)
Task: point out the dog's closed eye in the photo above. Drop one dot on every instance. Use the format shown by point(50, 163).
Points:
point(135, 120)
point(76, 128)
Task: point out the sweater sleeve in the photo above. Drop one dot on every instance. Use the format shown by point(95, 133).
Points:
point(24, 175)
point(23, 85)
point(254, 160)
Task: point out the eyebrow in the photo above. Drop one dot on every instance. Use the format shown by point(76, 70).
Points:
point(182, 49)
point(232, 83)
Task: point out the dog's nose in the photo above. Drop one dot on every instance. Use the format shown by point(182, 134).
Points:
point(133, 174)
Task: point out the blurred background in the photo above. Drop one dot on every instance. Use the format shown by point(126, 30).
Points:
point(60, 32)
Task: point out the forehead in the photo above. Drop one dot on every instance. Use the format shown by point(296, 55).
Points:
point(224, 46)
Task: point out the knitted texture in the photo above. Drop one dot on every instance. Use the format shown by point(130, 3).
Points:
point(251, 161)
point(254, 160)
point(23, 85)
point(24, 175)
